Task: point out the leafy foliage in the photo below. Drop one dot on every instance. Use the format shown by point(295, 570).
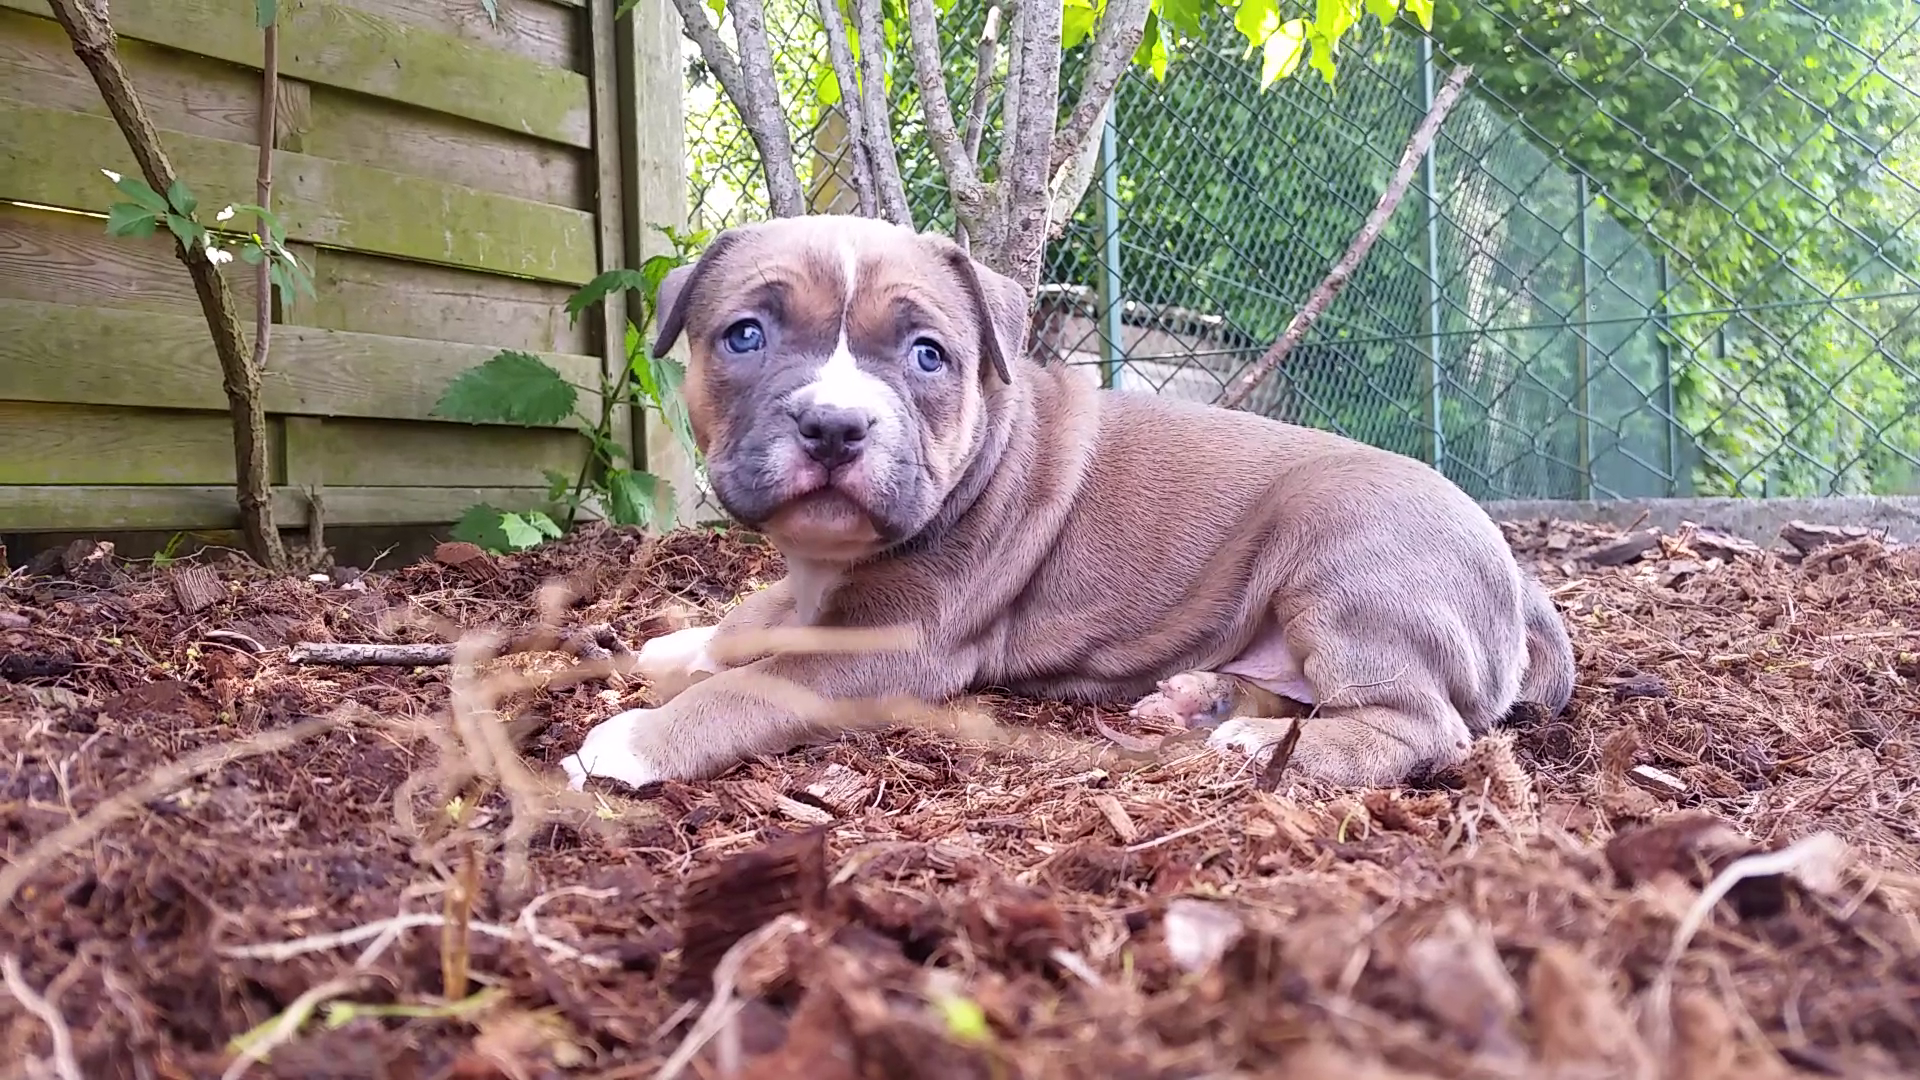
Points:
point(520, 388)
point(1759, 146)
point(146, 210)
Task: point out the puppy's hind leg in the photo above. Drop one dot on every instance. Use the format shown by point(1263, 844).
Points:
point(1379, 720)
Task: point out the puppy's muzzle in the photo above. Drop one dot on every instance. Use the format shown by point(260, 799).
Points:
point(834, 435)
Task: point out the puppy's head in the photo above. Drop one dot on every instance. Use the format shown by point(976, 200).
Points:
point(841, 375)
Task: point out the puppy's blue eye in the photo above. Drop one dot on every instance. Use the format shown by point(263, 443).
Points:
point(928, 356)
point(745, 336)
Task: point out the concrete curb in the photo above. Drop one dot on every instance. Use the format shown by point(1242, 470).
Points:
point(1758, 520)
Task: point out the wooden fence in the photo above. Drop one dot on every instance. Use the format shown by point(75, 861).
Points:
point(449, 180)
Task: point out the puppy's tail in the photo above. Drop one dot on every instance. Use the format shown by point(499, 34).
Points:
point(1548, 682)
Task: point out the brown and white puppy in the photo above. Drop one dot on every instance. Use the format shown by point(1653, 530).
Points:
point(864, 399)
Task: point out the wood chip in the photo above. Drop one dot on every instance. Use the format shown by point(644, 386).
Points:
point(1624, 551)
point(839, 789)
point(1658, 780)
point(1807, 538)
point(195, 588)
point(1116, 816)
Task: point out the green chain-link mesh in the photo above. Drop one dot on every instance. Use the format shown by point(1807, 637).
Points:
point(1657, 250)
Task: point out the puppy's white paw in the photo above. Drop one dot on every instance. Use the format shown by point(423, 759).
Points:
point(615, 749)
point(1254, 738)
point(682, 652)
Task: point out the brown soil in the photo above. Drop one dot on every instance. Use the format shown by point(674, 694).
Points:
point(1023, 901)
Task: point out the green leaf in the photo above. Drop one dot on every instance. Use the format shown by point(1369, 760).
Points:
point(1281, 53)
point(638, 498)
point(251, 254)
point(1154, 48)
point(1257, 20)
point(655, 271)
point(1076, 22)
point(543, 524)
point(181, 198)
point(1423, 11)
point(126, 219)
point(519, 533)
point(481, 526)
point(511, 388)
point(492, 8)
point(1187, 16)
point(267, 12)
point(188, 232)
point(557, 484)
point(592, 292)
point(1384, 10)
point(137, 189)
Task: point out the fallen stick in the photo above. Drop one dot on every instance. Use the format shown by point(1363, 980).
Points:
point(594, 643)
point(1342, 272)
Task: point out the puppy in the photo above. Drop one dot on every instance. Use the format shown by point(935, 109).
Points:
point(864, 399)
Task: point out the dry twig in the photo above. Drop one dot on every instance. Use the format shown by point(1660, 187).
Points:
point(47, 1011)
point(1322, 296)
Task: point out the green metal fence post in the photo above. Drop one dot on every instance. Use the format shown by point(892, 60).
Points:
point(1582, 400)
point(1429, 185)
point(1664, 351)
point(1112, 298)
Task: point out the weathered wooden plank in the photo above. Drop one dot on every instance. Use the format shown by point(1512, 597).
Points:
point(56, 257)
point(382, 453)
point(99, 356)
point(326, 42)
point(78, 444)
point(367, 131)
point(653, 130)
point(182, 92)
point(96, 508)
point(610, 201)
point(373, 295)
point(549, 33)
point(54, 158)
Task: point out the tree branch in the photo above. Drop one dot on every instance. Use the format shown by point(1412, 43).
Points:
point(1121, 29)
point(892, 191)
point(841, 57)
point(1035, 96)
point(95, 43)
point(929, 73)
point(749, 84)
point(1322, 297)
point(263, 192)
point(985, 58)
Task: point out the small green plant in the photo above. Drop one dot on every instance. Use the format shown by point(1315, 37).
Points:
point(520, 388)
point(146, 210)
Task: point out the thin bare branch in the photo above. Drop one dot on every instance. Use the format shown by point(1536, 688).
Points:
point(1342, 272)
point(841, 57)
point(263, 192)
point(749, 85)
point(929, 73)
point(1114, 44)
point(1070, 182)
point(985, 58)
point(892, 191)
point(96, 44)
point(46, 1009)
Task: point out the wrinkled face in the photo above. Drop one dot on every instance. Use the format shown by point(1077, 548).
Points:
point(839, 375)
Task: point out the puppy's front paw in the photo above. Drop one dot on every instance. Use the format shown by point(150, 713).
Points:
point(1253, 737)
point(617, 748)
point(673, 662)
point(1190, 699)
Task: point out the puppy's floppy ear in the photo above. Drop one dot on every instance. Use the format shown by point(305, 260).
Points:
point(680, 284)
point(1002, 307)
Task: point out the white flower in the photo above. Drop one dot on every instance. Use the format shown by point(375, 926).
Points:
point(224, 215)
point(111, 175)
point(216, 256)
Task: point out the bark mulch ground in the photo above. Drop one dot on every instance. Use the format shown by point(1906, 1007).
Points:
point(1707, 867)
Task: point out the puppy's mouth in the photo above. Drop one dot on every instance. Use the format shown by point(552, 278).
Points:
point(827, 519)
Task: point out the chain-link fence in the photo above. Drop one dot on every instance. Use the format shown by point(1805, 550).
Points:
point(1658, 250)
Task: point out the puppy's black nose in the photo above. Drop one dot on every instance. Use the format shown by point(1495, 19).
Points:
point(833, 435)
